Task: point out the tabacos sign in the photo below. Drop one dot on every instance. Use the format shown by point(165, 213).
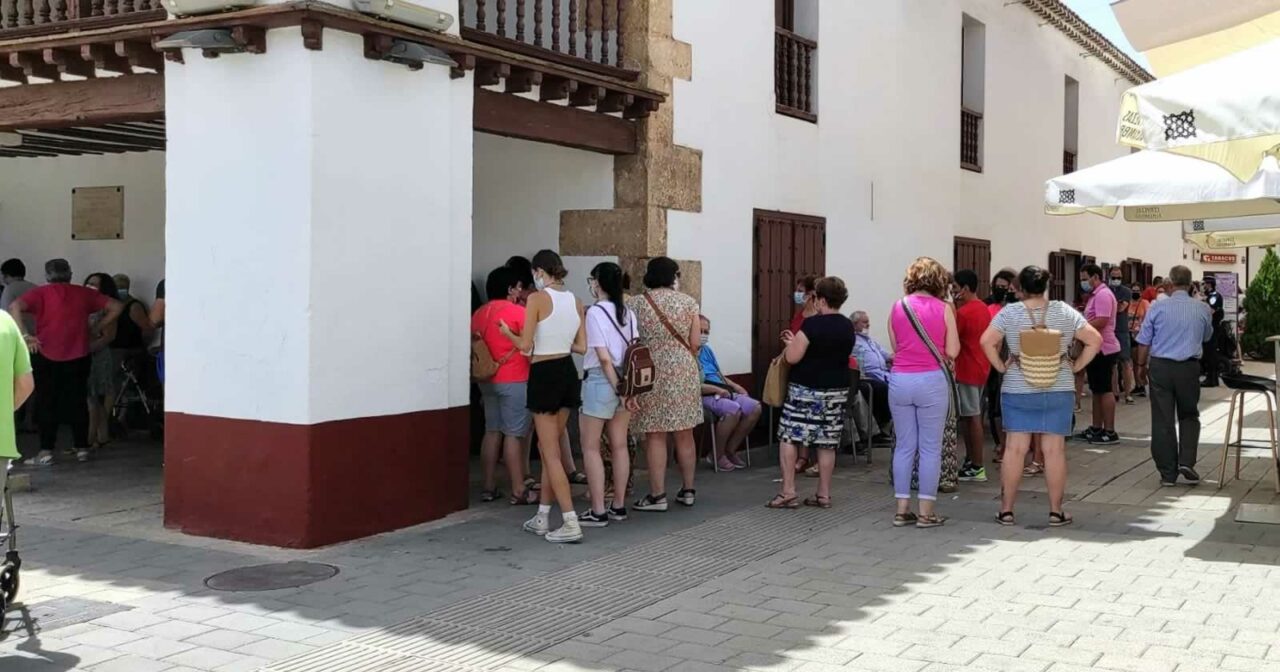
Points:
point(1218, 258)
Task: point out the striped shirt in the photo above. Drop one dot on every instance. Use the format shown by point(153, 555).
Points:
point(1177, 328)
point(1015, 319)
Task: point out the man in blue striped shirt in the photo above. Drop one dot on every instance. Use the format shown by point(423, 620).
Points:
point(1171, 343)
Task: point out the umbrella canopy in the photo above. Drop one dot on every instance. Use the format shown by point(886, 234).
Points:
point(1164, 187)
point(1226, 111)
point(1178, 34)
point(1226, 234)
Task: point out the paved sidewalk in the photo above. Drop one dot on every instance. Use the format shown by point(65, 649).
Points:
point(1148, 579)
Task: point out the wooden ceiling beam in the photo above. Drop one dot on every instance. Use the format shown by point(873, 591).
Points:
point(518, 117)
point(33, 65)
point(70, 63)
point(105, 58)
point(87, 103)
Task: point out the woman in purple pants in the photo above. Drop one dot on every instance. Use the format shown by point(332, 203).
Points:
point(922, 330)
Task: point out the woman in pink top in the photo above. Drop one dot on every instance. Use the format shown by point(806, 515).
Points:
point(919, 387)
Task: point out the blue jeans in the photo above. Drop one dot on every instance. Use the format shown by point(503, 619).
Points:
point(919, 403)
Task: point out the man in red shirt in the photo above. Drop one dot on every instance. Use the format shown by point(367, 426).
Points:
point(60, 354)
point(972, 369)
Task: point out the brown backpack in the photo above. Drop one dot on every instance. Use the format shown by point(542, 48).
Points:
point(637, 369)
point(483, 365)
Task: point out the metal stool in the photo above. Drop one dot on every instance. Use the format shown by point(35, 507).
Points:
point(1242, 385)
point(709, 421)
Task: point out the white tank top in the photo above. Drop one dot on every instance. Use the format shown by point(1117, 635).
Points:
point(555, 333)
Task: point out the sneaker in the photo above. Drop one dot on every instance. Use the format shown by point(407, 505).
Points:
point(1105, 438)
point(1189, 475)
point(727, 465)
point(686, 496)
point(1088, 434)
point(590, 518)
point(569, 533)
point(618, 514)
point(1140, 392)
point(651, 503)
point(738, 462)
point(973, 473)
point(537, 525)
point(1167, 484)
point(82, 455)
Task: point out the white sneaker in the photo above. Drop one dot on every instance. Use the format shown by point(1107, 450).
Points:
point(569, 533)
point(537, 525)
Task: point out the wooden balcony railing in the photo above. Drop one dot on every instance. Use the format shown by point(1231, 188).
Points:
point(970, 140)
point(1068, 161)
point(581, 33)
point(19, 18)
point(793, 75)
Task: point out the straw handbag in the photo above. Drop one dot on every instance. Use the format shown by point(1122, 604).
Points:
point(1041, 357)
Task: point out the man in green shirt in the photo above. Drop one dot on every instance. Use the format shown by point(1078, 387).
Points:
point(16, 384)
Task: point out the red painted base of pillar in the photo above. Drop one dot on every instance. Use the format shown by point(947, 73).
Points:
point(303, 486)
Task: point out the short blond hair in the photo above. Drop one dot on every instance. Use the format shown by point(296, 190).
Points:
point(926, 275)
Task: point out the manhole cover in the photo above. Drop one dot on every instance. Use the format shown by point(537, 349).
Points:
point(270, 577)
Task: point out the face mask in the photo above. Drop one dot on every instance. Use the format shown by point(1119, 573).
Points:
point(1084, 284)
point(539, 282)
point(1116, 282)
point(703, 339)
point(593, 289)
point(122, 293)
point(798, 297)
point(675, 286)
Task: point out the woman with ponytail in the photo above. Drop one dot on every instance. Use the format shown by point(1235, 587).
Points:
point(611, 327)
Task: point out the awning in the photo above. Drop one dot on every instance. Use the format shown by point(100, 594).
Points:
point(1179, 34)
point(1226, 234)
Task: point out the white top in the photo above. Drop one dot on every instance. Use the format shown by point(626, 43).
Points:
point(1013, 319)
point(555, 333)
point(603, 331)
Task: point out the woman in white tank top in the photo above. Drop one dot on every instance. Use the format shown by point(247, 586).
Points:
point(554, 329)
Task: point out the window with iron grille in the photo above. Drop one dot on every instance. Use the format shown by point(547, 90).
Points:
point(973, 65)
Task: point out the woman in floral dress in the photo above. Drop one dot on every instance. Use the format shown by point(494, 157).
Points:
point(669, 326)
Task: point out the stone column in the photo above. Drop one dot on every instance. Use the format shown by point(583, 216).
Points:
point(661, 175)
point(318, 262)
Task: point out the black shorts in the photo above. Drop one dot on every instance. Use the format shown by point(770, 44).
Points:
point(1100, 371)
point(553, 386)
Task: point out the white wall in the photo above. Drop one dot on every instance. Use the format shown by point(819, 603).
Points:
point(319, 243)
point(520, 189)
point(35, 215)
point(889, 124)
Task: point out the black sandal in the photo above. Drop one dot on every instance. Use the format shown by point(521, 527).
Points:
point(529, 498)
point(487, 496)
point(1060, 519)
point(1005, 518)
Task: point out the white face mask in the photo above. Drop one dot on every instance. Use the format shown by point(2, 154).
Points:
point(798, 297)
point(593, 289)
point(676, 285)
point(703, 339)
point(539, 282)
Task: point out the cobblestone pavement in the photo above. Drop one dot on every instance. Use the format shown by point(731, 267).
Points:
point(1147, 579)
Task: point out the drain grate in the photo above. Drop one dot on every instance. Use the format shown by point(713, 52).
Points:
point(271, 577)
point(59, 612)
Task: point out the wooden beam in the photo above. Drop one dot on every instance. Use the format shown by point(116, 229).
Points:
point(312, 34)
point(87, 103)
point(104, 57)
point(140, 55)
point(517, 117)
point(556, 88)
point(615, 101)
point(523, 81)
point(68, 62)
point(10, 73)
point(34, 66)
point(586, 95)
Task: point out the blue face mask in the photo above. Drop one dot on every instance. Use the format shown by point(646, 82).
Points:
point(1084, 284)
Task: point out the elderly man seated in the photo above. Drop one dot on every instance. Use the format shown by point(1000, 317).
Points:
point(874, 361)
point(736, 414)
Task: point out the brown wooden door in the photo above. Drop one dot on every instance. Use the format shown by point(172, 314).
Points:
point(787, 247)
point(1147, 276)
point(974, 254)
point(785, 14)
point(1058, 273)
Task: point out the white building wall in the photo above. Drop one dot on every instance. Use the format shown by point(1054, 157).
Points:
point(882, 164)
point(35, 215)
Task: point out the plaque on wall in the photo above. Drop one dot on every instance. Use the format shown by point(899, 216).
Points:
point(97, 213)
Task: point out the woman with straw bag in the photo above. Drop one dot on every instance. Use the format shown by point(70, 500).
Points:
point(1038, 393)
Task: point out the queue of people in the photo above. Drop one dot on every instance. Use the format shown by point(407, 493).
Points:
point(77, 337)
point(953, 358)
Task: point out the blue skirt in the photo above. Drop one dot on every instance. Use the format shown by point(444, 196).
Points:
point(1038, 412)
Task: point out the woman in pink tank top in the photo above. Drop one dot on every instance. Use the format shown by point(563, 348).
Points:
point(920, 387)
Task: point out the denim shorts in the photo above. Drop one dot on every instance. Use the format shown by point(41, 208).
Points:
point(599, 400)
point(1038, 412)
point(504, 408)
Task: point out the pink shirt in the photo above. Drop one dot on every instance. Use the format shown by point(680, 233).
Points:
point(912, 355)
point(1102, 303)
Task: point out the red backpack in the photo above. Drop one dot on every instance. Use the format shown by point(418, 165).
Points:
point(638, 371)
